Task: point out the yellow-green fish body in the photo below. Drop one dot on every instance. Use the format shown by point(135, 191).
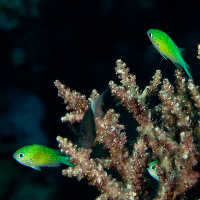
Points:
point(152, 170)
point(37, 156)
point(167, 48)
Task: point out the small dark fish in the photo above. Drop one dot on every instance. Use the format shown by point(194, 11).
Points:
point(88, 127)
point(88, 130)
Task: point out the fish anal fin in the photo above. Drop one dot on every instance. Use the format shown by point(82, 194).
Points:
point(36, 167)
point(163, 56)
point(185, 67)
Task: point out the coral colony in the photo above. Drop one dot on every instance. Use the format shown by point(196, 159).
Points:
point(170, 130)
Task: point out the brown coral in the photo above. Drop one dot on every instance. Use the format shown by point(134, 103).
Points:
point(170, 130)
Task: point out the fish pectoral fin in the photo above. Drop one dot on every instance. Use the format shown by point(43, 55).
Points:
point(156, 50)
point(36, 167)
point(151, 49)
point(73, 129)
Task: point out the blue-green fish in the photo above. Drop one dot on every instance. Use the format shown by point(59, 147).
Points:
point(152, 170)
point(37, 156)
point(167, 48)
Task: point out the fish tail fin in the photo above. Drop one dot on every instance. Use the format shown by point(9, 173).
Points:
point(65, 160)
point(187, 69)
point(185, 66)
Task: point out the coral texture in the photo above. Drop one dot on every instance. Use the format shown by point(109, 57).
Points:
point(169, 129)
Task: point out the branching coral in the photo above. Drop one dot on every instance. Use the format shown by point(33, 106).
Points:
point(170, 129)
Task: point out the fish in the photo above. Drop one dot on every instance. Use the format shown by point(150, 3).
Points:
point(87, 133)
point(152, 169)
point(168, 49)
point(36, 156)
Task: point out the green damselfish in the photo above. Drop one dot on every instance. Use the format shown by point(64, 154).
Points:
point(152, 169)
point(167, 48)
point(37, 156)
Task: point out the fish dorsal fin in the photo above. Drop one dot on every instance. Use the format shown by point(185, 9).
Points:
point(58, 152)
point(66, 160)
point(182, 51)
point(97, 103)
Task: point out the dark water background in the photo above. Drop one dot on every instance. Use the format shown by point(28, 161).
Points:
point(78, 43)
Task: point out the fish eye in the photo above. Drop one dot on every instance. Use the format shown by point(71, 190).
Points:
point(82, 136)
point(150, 34)
point(21, 155)
point(153, 167)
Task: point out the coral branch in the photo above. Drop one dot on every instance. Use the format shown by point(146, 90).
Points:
point(170, 130)
point(75, 101)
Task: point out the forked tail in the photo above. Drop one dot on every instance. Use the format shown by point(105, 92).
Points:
point(185, 67)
